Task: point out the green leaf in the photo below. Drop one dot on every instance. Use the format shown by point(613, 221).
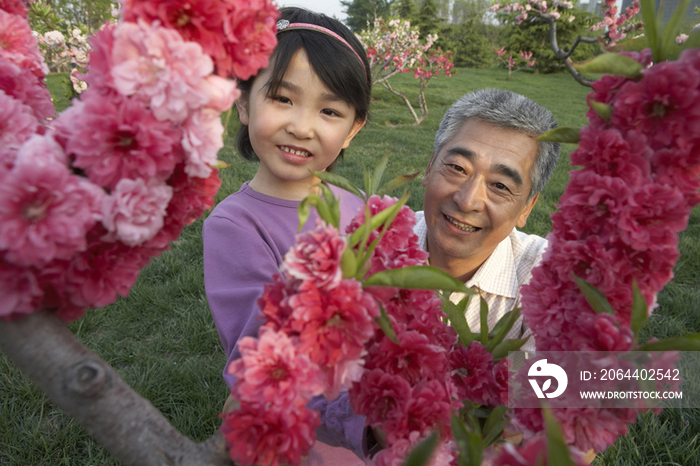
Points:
point(458, 319)
point(484, 320)
point(397, 183)
point(564, 135)
point(558, 450)
point(669, 48)
point(417, 277)
point(423, 451)
point(348, 263)
point(603, 110)
point(385, 325)
point(595, 298)
point(333, 204)
point(684, 343)
point(648, 8)
point(502, 327)
point(303, 211)
point(501, 350)
point(379, 172)
point(470, 444)
point(640, 310)
point(368, 181)
point(612, 64)
point(376, 220)
point(339, 181)
point(636, 44)
point(494, 424)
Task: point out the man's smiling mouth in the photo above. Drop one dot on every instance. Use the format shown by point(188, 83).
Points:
point(461, 226)
point(301, 153)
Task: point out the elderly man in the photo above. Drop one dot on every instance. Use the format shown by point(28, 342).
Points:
point(482, 181)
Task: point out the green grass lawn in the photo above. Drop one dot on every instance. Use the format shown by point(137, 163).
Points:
point(162, 340)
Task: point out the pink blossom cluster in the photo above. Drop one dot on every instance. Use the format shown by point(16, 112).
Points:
point(238, 35)
point(394, 47)
point(86, 204)
point(556, 10)
point(527, 60)
point(312, 343)
point(616, 27)
point(406, 390)
point(429, 66)
point(618, 223)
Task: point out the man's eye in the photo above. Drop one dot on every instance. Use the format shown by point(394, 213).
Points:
point(500, 186)
point(457, 168)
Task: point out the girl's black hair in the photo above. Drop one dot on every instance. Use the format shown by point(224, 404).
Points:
point(334, 63)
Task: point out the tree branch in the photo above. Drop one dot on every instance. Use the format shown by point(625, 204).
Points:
point(405, 99)
point(564, 56)
point(94, 395)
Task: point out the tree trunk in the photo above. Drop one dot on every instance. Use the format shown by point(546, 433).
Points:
point(405, 99)
point(94, 395)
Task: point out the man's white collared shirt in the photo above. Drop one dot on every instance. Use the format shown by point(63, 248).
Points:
point(499, 279)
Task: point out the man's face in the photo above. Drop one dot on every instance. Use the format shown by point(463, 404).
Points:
point(476, 191)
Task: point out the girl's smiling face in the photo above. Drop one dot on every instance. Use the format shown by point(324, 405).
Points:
point(298, 129)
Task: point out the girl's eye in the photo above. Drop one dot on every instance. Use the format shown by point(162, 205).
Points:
point(281, 99)
point(329, 112)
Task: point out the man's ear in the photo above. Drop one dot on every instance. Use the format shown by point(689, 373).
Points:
point(525, 213)
point(242, 107)
point(427, 170)
point(356, 127)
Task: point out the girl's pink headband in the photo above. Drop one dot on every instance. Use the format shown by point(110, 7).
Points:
point(284, 25)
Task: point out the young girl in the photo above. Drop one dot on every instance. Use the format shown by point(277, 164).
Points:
point(297, 116)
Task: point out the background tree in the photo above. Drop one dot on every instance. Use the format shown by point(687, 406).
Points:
point(469, 43)
point(469, 10)
point(406, 9)
point(362, 13)
point(428, 19)
point(533, 34)
point(91, 14)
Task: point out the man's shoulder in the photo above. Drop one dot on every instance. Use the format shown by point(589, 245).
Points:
point(527, 251)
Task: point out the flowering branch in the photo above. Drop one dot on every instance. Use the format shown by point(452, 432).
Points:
point(87, 389)
point(394, 48)
point(528, 61)
point(618, 26)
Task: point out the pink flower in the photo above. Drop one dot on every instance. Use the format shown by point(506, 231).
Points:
point(133, 212)
point(18, 46)
point(602, 332)
point(15, 7)
point(333, 325)
point(269, 435)
point(472, 372)
point(315, 257)
point(97, 276)
point(45, 211)
point(17, 124)
point(414, 358)
point(428, 409)
point(499, 389)
point(271, 370)
point(380, 397)
point(113, 137)
point(653, 217)
point(199, 21)
point(159, 67)
point(21, 84)
point(100, 59)
point(222, 92)
point(274, 302)
point(609, 153)
point(661, 105)
point(201, 141)
point(19, 291)
point(249, 28)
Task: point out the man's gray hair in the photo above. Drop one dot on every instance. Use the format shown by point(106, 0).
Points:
point(505, 109)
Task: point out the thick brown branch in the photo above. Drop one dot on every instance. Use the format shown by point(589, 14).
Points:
point(91, 392)
point(565, 56)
